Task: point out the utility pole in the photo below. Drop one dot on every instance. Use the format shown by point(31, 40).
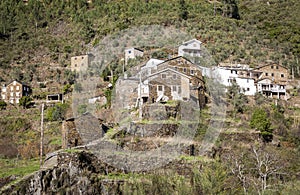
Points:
point(42, 136)
point(140, 98)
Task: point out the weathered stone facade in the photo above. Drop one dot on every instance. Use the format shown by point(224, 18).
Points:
point(81, 63)
point(273, 80)
point(175, 79)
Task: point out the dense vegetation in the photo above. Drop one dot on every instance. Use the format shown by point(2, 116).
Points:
point(37, 40)
point(41, 34)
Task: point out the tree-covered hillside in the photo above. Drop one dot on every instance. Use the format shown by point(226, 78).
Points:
point(42, 35)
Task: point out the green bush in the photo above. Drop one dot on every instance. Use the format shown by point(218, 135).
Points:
point(261, 122)
point(56, 113)
point(25, 101)
point(2, 105)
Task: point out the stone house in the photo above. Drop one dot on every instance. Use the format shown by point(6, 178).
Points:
point(81, 63)
point(174, 79)
point(273, 80)
point(126, 93)
point(14, 91)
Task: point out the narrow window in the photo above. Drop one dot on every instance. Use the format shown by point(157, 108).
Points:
point(272, 74)
point(248, 89)
point(159, 88)
point(272, 67)
point(174, 76)
point(266, 74)
point(277, 67)
point(82, 57)
point(179, 89)
point(174, 88)
point(192, 72)
point(184, 69)
point(282, 75)
point(247, 80)
point(163, 76)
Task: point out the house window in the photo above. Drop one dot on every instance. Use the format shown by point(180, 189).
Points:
point(176, 68)
point(194, 45)
point(129, 51)
point(272, 74)
point(11, 88)
point(82, 57)
point(192, 72)
point(266, 74)
point(11, 94)
point(277, 67)
point(75, 58)
point(184, 69)
point(174, 76)
point(247, 80)
point(75, 65)
point(174, 88)
point(160, 88)
point(163, 76)
point(282, 75)
point(17, 87)
point(179, 89)
point(248, 89)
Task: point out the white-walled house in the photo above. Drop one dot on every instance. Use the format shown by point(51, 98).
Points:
point(190, 48)
point(243, 77)
point(132, 53)
point(247, 85)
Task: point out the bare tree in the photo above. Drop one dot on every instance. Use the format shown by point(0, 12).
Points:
point(255, 170)
point(266, 165)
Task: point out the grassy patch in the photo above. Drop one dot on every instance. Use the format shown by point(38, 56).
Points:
point(18, 167)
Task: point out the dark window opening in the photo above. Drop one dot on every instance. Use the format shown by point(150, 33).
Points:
point(160, 88)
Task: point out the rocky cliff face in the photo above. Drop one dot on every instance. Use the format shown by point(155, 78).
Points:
point(75, 173)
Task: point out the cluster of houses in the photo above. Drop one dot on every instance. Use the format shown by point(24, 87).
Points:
point(177, 78)
point(181, 78)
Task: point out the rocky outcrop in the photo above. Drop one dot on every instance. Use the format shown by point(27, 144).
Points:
point(75, 173)
point(82, 172)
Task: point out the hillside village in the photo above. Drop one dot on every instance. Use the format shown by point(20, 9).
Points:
point(149, 97)
point(153, 82)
